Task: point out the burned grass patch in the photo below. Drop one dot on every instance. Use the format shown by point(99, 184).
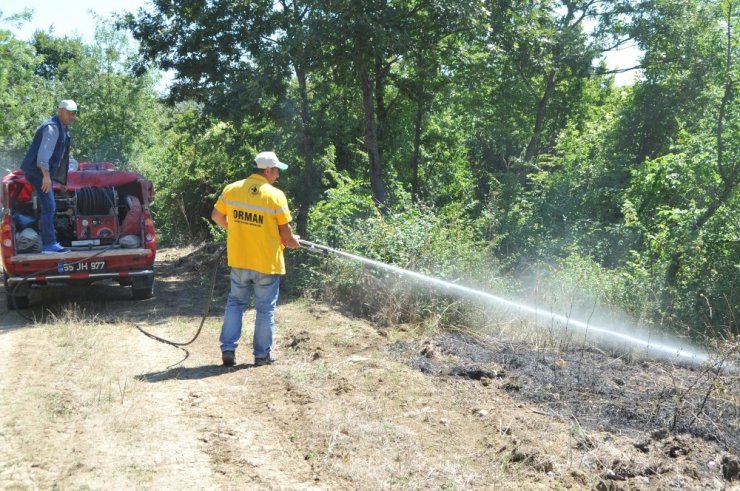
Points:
point(596, 389)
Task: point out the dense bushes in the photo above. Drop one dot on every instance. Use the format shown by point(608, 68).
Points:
point(448, 245)
point(442, 244)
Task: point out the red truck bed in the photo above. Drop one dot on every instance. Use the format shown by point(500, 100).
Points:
point(102, 215)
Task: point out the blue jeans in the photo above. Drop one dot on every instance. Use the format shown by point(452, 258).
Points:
point(266, 289)
point(48, 208)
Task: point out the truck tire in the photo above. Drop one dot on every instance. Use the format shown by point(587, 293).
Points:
point(21, 294)
point(142, 293)
point(21, 301)
point(142, 287)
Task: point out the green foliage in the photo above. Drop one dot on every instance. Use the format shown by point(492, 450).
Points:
point(118, 117)
point(499, 141)
point(575, 192)
point(667, 197)
point(443, 245)
point(215, 233)
point(200, 158)
point(682, 58)
point(24, 97)
point(580, 288)
point(345, 205)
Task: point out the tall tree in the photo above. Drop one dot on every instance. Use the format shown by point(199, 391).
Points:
point(26, 99)
point(725, 127)
point(237, 56)
point(371, 40)
point(678, 39)
point(441, 35)
point(548, 44)
point(118, 111)
point(362, 46)
point(237, 59)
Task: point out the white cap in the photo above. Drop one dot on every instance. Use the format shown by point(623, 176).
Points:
point(69, 105)
point(265, 160)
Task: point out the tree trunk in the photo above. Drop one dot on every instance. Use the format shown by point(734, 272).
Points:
point(539, 123)
point(380, 110)
point(674, 266)
point(309, 188)
point(417, 149)
point(371, 137)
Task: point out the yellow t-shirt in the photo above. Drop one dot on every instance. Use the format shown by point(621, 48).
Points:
point(253, 210)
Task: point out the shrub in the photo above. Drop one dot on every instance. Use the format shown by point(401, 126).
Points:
point(440, 244)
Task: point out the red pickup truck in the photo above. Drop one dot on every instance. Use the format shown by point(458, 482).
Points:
point(102, 217)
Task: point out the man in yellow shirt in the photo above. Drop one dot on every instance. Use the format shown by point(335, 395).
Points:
point(257, 219)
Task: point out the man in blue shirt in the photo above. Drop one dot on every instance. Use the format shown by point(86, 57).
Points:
point(47, 159)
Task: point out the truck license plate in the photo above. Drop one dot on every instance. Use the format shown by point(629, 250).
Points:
point(81, 267)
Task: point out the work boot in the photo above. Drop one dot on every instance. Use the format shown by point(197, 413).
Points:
point(265, 360)
point(229, 358)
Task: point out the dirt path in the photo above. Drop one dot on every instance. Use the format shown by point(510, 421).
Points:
point(85, 403)
point(88, 402)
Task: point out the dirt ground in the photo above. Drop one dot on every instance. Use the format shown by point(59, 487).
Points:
point(88, 402)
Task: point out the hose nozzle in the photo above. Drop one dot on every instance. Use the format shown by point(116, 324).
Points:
point(315, 248)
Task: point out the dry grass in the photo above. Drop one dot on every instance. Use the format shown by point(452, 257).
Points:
point(86, 401)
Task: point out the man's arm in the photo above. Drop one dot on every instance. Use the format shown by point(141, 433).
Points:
point(219, 218)
point(45, 180)
point(286, 235)
point(48, 142)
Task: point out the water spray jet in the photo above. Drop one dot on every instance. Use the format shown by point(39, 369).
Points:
point(676, 351)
